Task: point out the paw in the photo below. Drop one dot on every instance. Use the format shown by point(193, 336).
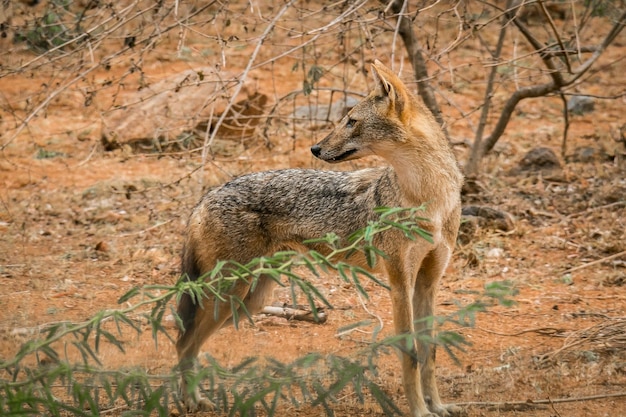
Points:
point(424, 413)
point(448, 410)
point(204, 404)
point(195, 402)
point(201, 404)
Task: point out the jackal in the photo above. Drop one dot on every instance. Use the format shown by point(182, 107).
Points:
point(260, 213)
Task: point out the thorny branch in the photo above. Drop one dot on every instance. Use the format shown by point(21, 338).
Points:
point(475, 156)
point(62, 88)
point(558, 82)
point(409, 37)
point(84, 44)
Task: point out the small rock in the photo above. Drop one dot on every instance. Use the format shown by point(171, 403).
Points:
point(586, 154)
point(489, 218)
point(483, 217)
point(102, 247)
point(472, 186)
point(539, 161)
point(580, 105)
point(494, 253)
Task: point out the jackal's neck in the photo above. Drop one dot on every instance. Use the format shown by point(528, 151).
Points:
point(428, 173)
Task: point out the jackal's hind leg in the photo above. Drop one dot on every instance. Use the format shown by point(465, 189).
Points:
point(205, 324)
point(210, 316)
point(258, 297)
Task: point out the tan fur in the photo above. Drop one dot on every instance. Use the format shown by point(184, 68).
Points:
point(260, 213)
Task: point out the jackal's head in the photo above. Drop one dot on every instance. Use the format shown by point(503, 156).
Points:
point(378, 125)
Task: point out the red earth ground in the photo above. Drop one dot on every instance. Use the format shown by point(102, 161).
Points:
point(82, 226)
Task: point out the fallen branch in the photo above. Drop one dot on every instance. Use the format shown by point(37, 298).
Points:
point(544, 331)
point(514, 405)
point(295, 314)
point(597, 261)
point(589, 210)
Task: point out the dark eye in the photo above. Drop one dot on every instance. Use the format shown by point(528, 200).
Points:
point(351, 123)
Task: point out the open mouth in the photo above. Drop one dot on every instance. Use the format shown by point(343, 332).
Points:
point(342, 156)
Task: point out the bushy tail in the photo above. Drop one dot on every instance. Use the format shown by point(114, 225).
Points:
point(188, 304)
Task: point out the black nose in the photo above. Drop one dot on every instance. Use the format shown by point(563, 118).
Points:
point(316, 150)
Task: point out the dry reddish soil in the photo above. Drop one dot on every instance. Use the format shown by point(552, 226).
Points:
point(80, 226)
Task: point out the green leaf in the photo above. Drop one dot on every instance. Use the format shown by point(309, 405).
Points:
point(370, 256)
point(357, 284)
point(427, 236)
point(130, 294)
point(310, 266)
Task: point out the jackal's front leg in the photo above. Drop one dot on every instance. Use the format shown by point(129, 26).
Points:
point(401, 301)
point(424, 296)
point(423, 301)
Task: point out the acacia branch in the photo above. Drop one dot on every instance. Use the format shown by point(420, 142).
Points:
point(557, 83)
point(556, 32)
point(505, 116)
point(565, 126)
point(420, 73)
point(147, 41)
point(539, 48)
point(475, 156)
point(208, 140)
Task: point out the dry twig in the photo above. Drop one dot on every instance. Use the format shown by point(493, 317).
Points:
point(530, 404)
point(597, 261)
point(607, 336)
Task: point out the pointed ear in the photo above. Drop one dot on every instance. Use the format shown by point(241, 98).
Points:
point(385, 88)
point(381, 85)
